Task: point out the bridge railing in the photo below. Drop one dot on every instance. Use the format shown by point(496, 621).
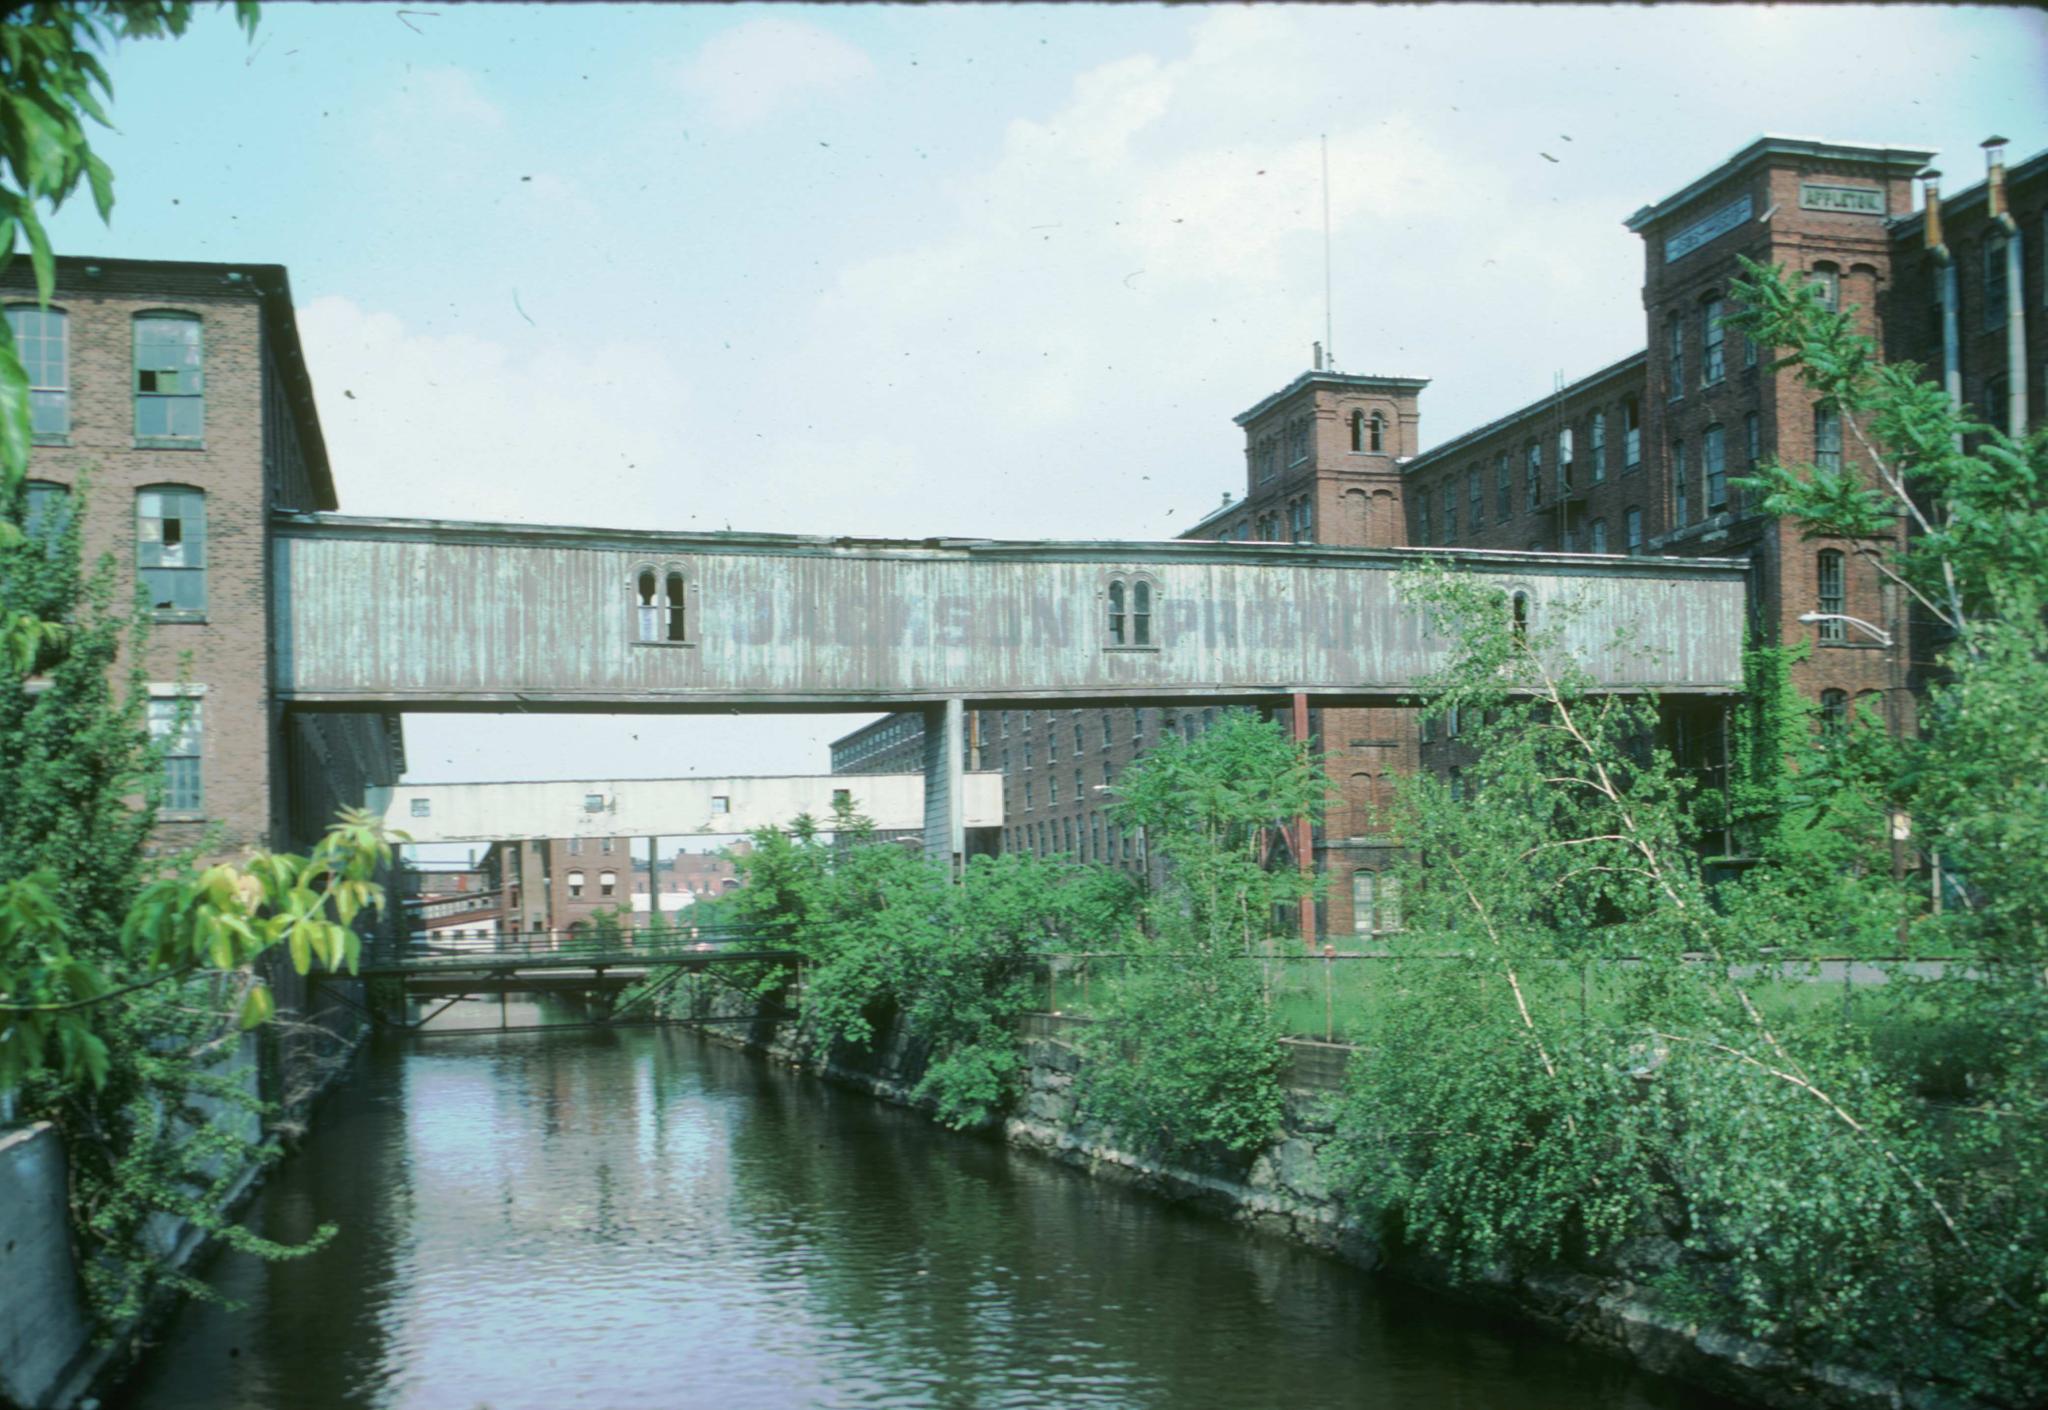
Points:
point(430, 950)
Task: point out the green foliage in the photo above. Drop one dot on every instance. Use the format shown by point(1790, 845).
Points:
point(1581, 1049)
point(884, 932)
point(1187, 1056)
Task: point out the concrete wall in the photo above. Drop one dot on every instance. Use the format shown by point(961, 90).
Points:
point(44, 1329)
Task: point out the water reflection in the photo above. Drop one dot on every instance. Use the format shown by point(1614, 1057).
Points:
point(639, 1219)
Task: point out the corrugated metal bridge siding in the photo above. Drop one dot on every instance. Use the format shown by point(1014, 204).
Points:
point(507, 616)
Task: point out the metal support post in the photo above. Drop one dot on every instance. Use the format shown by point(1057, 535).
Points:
point(1304, 843)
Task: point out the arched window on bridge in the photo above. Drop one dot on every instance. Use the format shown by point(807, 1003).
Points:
point(661, 598)
point(1518, 608)
point(575, 884)
point(1129, 612)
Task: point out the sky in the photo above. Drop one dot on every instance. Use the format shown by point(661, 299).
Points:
point(919, 270)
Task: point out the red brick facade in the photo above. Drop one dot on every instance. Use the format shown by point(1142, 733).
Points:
point(262, 780)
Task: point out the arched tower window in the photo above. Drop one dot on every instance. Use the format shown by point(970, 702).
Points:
point(1141, 613)
point(1358, 430)
point(1376, 432)
point(1518, 611)
point(660, 606)
point(1116, 612)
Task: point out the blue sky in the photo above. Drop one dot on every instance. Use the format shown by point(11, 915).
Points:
point(918, 270)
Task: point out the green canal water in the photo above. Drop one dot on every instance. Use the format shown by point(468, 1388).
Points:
point(643, 1219)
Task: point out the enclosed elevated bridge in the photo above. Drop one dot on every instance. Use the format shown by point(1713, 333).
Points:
point(435, 615)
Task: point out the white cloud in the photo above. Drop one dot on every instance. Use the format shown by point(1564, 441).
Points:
point(449, 96)
point(455, 426)
point(755, 69)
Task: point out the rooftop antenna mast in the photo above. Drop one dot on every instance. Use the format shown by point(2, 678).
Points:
point(1329, 315)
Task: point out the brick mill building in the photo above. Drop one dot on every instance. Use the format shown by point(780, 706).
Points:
point(174, 411)
point(1639, 457)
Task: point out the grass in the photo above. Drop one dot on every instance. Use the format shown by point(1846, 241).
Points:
point(1339, 999)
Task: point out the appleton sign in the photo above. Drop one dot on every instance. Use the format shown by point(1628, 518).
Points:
point(1848, 200)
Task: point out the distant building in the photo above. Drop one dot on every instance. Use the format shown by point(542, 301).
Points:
point(1638, 457)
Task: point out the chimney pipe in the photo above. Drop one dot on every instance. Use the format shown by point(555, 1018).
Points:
point(1930, 188)
point(1994, 176)
point(2015, 289)
point(1319, 357)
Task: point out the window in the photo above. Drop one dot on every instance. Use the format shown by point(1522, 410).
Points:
point(575, 846)
point(1375, 903)
point(1457, 781)
point(1475, 496)
point(170, 378)
point(1681, 486)
point(575, 884)
point(1834, 713)
point(1631, 434)
point(170, 547)
point(1518, 612)
point(47, 513)
point(1422, 533)
point(1829, 578)
point(1827, 437)
point(1632, 524)
point(1998, 401)
point(1503, 486)
point(1451, 723)
point(1301, 520)
point(1712, 337)
point(721, 803)
point(1826, 282)
point(1714, 466)
point(660, 606)
point(1266, 456)
point(593, 802)
point(1052, 743)
point(1079, 743)
point(1105, 729)
point(1429, 729)
point(1674, 356)
point(604, 845)
point(1533, 457)
point(1564, 461)
point(1129, 615)
point(422, 807)
point(1028, 804)
point(1105, 775)
point(1450, 512)
point(1596, 445)
point(1297, 440)
point(1052, 790)
point(1752, 438)
point(1376, 433)
point(42, 338)
point(607, 883)
point(1137, 726)
point(1599, 534)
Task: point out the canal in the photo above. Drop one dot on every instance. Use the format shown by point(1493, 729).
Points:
point(645, 1219)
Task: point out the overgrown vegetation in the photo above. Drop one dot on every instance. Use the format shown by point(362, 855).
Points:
point(1864, 1190)
point(884, 933)
point(1187, 1057)
point(126, 982)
